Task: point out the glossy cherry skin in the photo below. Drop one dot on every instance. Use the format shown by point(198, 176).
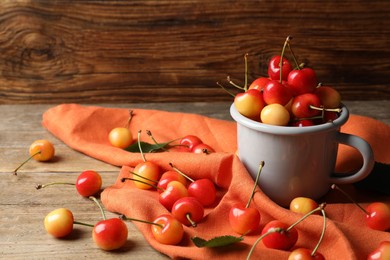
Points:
point(275, 114)
point(110, 234)
point(203, 149)
point(276, 92)
point(379, 216)
point(305, 254)
point(204, 191)
point(302, 81)
point(259, 83)
point(188, 207)
point(120, 137)
point(175, 190)
point(274, 68)
point(303, 205)
point(190, 141)
point(380, 253)
point(249, 103)
point(300, 106)
point(244, 220)
point(59, 222)
point(88, 183)
point(171, 232)
point(280, 239)
point(169, 176)
point(150, 171)
point(42, 150)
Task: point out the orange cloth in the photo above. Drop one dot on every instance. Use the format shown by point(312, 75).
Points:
point(86, 128)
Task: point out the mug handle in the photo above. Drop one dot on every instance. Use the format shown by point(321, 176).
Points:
point(368, 159)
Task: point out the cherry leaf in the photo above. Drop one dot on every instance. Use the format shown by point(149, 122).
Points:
point(216, 241)
point(147, 147)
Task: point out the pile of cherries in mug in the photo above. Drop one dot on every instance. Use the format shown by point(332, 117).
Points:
point(291, 95)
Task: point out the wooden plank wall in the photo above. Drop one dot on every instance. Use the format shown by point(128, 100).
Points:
point(169, 51)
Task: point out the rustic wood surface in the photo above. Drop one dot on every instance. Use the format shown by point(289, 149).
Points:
point(22, 208)
point(170, 51)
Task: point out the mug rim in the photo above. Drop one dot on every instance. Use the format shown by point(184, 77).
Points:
point(289, 130)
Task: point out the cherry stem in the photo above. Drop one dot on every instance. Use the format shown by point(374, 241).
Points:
point(139, 146)
point(234, 84)
point(142, 177)
point(322, 233)
point(41, 186)
point(335, 187)
point(23, 163)
point(337, 110)
point(286, 42)
point(227, 91)
point(99, 205)
point(273, 230)
point(246, 72)
point(181, 173)
point(320, 207)
point(193, 223)
point(255, 186)
point(123, 217)
point(83, 224)
point(131, 179)
point(130, 118)
point(298, 66)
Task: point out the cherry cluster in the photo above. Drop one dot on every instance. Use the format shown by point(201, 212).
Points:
point(287, 96)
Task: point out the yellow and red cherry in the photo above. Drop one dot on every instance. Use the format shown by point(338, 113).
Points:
point(40, 150)
point(202, 189)
point(122, 137)
point(243, 219)
point(175, 190)
point(382, 252)
point(276, 92)
point(329, 96)
point(305, 254)
point(303, 205)
point(190, 141)
point(169, 176)
point(275, 114)
point(274, 66)
point(302, 81)
point(110, 234)
point(59, 222)
point(249, 103)
point(306, 106)
point(89, 183)
point(203, 149)
point(259, 83)
point(168, 230)
point(148, 172)
point(188, 211)
point(277, 235)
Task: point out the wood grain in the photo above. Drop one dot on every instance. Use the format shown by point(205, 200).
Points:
point(170, 51)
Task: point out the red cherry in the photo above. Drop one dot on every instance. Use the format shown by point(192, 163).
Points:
point(110, 234)
point(249, 103)
point(244, 220)
point(330, 97)
point(276, 92)
point(303, 106)
point(167, 177)
point(274, 68)
point(203, 149)
point(302, 123)
point(88, 183)
point(302, 81)
point(259, 83)
point(168, 231)
point(279, 237)
point(305, 254)
point(382, 252)
point(378, 216)
point(188, 210)
point(175, 190)
point(190, 141)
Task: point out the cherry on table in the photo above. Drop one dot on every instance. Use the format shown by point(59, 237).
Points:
point(203, 149)
point(382, 252)
point(122, 137)
point(303, 205)
point(305, 254)
point(188, 210)
point(40, 150)
point(169, 176)
point(175, 190)
point(190, 141)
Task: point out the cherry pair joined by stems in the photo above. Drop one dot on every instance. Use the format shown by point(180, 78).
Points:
point(40, 150)
point(195, 145)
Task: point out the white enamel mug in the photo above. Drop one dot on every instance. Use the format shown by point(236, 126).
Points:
point(299, 161)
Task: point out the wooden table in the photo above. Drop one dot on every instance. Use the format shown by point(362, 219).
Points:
point(23, 208)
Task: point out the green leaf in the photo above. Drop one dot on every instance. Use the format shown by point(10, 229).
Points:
point(216, 241)
point(147, 147)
